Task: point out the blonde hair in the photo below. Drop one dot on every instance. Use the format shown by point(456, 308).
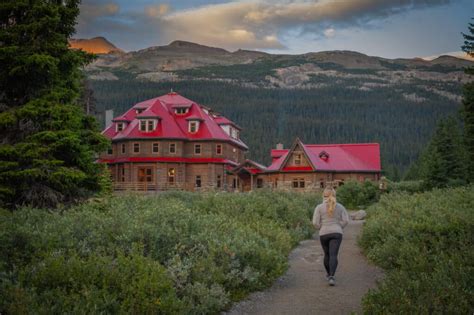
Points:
point(331, 200)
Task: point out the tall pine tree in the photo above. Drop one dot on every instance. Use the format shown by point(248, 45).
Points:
point(468, 105)
point(443, 162)
point(48, 144)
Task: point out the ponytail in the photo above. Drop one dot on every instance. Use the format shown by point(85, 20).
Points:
point(331, 200)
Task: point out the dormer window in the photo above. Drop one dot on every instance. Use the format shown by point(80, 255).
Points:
point(181, 110)
point(234, 133)
point(193, 126)
point(148, 125)
point(324, 155)
point(139, 110)
point(119, 126)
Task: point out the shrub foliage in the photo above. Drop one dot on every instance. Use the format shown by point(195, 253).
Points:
point(176, 252)
point(354, 194)
point(424, 242)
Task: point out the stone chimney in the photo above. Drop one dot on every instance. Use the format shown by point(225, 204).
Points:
point(109, 115)
point(279, 146)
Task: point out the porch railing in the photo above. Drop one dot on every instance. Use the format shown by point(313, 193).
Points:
point(145, 186)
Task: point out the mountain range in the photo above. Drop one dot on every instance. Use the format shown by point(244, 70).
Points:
point(321, 97)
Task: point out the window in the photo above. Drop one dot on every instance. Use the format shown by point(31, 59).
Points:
point(147, 125)
point(234, 183)
point(123, 174)
point(302, 182)
point(139, 110)
point(181, 110)
point(193, 126)
point(172, 148)
point(298, 183)
point(171, 175)
point(219, 149)
point(218, 181)
point(295, 183)
point(120, 126)
point(197, 149)
point(297, 159)
point(123, 148)
point(110, 151)
point(321, 183)
point(324, 155)
point(155, 147)
point(198, 181)
point(145, 174)
point(136, 148)
point(150, 125)
point(259, 182)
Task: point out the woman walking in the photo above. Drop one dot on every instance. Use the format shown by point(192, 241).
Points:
point(330, 218)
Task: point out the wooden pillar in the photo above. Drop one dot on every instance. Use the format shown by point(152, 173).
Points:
point(251, 181)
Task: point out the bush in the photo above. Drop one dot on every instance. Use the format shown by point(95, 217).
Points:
point(424, 242)
point(414, 186)
point(175, 252)
point(354, 194)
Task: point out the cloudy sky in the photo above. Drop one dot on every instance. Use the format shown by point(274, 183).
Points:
point(387, 28)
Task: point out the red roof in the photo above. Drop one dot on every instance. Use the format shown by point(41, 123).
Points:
point(221, 120)
point(171, 125)
point(362, 157)
point(250, 166)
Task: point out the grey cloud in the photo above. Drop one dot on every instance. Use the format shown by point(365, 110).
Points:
point(256, 24)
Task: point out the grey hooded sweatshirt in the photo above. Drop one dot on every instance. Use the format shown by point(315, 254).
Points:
point(327, 224)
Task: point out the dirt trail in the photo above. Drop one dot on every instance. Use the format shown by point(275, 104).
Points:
point(304, 289)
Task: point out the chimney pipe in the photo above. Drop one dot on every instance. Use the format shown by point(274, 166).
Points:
point(109, 115)
point(279, 146)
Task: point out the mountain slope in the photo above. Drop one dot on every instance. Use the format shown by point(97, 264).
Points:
point(96, 45)
point(322, 97)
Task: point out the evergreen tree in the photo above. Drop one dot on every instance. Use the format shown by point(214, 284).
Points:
point(48, 145)
point(443, 162)
point(468, 105)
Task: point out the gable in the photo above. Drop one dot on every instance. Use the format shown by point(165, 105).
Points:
point(297, 159)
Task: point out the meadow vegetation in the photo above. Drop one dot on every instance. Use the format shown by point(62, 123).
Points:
point(175, 252)
point(424, 242)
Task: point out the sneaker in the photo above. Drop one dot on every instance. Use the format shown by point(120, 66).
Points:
point(327, 277)
point(332, 282)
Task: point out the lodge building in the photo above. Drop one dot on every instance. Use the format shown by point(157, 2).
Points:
point(171, 142)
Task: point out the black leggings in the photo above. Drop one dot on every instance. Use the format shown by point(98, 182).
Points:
point(330, 244)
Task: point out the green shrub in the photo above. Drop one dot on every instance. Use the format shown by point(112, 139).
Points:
point(424, 242)
point(202, 251)
point(413, 186)
point(354, 194)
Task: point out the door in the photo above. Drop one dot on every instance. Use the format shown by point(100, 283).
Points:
point(145, 177)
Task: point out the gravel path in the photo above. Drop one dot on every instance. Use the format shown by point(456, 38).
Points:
point(304, 289)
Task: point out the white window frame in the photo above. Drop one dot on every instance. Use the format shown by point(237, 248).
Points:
point(200, 181)
point(146, 123)
point(120, 126)
point(198, 145)
point(133, 148)
point(195, 123)
point(175, 148)
point(153, 147)
point(181, 110)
